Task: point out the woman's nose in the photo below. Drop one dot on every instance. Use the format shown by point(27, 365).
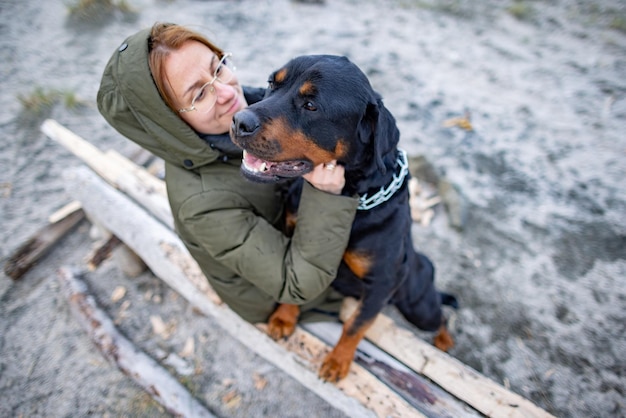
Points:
point(223, 92)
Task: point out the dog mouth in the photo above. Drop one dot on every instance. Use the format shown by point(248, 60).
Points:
point(262, 170)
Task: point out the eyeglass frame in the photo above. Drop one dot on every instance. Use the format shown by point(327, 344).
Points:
point(210, 84)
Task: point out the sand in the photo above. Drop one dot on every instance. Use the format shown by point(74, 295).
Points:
point(538, 265)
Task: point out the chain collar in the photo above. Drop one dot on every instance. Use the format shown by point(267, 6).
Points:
point(368, 202)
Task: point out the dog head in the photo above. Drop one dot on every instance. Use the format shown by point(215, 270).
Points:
point(317, 108)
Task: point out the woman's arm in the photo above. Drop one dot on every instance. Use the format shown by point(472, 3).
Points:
point(290, 270)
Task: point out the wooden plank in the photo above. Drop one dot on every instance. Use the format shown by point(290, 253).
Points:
point(103, 252)
point(64, 212)
point(87, 152)
point(118, 171)
point(38, 245)
point(421, 393)
point(117, 349)
point(143, 187)
point(455, 377)
point(169, 260)
point(359, 384)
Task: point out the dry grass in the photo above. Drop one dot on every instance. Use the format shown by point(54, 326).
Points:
point(90, 9)
point(41, 99)
point(521, 10)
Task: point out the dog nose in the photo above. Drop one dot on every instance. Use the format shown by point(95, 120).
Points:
point(245, 123)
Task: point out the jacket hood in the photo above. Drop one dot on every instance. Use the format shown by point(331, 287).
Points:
point(129, 100)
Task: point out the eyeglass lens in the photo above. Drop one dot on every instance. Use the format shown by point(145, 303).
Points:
point(206, 98)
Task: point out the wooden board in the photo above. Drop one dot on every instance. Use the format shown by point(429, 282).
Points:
point(118, 171)
point(419, 391)
point(117, 349)
point(38, 245)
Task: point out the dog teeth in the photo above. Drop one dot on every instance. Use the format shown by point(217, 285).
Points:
point(264, 167)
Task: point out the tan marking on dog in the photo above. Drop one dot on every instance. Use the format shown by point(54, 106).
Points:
point(295, 145)
point(307, 89)
point(341, 150)
point(280, 75)
point(358, 263)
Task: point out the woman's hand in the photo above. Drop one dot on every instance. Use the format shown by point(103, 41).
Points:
point(328, 177)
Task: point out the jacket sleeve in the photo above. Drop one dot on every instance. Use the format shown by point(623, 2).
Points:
point(290, 270)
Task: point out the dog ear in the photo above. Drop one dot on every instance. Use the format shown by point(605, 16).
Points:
point(378, 131)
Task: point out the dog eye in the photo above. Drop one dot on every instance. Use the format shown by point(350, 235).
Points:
point(310, 106)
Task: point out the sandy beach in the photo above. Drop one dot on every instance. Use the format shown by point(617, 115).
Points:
point(534, 247)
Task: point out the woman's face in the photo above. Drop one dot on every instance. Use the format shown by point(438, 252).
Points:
point(190, 68)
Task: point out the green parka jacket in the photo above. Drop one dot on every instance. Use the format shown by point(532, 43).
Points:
point(229, 225)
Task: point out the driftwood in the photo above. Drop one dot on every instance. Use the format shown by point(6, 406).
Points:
point(118, 350)
point(127, 261)
point(169, 260)
point(41, 242)
point(122, 173)
point(64, 212)
point(141, 185)
point(360, 384)
point(418, 391)
point(103, 252)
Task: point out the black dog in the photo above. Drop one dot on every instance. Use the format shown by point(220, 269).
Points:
point(322, 108)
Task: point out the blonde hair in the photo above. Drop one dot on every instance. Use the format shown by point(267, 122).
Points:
point(165, 38)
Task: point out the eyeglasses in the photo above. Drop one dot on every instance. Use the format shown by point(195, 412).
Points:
point(205, 98)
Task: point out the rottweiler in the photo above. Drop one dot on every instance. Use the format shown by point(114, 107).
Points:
point(319, 108)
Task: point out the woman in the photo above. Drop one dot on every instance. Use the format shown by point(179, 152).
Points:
point(174, 93)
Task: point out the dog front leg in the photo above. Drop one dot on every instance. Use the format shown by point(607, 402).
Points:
point(336, 365)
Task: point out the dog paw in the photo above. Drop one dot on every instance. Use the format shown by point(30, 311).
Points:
point(334, 368)
point(278, 328)
point(443, 340)
point(282, 322)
